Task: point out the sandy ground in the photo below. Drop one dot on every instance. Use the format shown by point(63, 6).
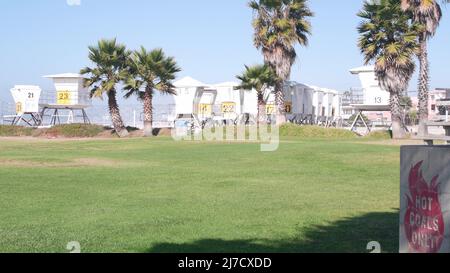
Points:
point(79, 162)
point(138, 134)
point(59, 139)
point(104, 136)
point(395, 142)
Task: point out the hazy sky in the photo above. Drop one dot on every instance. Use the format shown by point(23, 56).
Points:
point(210, 39)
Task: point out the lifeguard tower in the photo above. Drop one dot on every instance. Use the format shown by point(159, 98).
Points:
point(204, 101)
point(26, 99)
point(375, 99)
point(68, 103)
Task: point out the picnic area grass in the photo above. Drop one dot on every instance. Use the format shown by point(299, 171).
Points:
point(158, 195)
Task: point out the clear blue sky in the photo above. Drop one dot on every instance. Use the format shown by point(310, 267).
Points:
point(210, 39)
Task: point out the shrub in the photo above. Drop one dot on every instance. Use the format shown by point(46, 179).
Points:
point(380, 135)
point(14, 131)
point(297, 131)
point(293, 130)
point(75, 130)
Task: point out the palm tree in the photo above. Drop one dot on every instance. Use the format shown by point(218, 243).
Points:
point(147, 72)
point(110, 60)
point(279, 25)
point(259, 78)
point(389, 38)
point(427, 13)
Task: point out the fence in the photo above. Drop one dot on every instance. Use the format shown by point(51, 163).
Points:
point(132, 114)
point(5, 110)
point(164, 116)
point(354, 96)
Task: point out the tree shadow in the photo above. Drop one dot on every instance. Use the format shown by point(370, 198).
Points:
point(350, 235)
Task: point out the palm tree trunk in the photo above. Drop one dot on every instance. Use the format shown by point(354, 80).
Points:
point(398, 128)
point(279, 101)
point(423, 87)
point(148, 113)
point(115, 114)
point(261, 116)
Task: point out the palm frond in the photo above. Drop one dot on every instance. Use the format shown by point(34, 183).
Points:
point(389, 39)
point(278, 26)
point(149, 71)
point(110, 62)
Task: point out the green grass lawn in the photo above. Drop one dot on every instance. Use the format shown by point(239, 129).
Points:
point(157, 195)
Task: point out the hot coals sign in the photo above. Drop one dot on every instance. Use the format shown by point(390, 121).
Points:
point(425, 190)
point(424, 221)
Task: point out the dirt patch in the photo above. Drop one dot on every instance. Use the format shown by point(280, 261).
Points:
point(394, 142)
point(73, 132)
point(107, 134)
point(78, 162)
point(97, 162)
point(58, 139)
point(136, 133)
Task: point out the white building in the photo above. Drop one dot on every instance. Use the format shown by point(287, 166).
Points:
point(56, 106)
point(308, 101)
point(373, 101)
point(222, 102)
point(373, 94)
point(69, 97)
point(187, 90)
point(69, 89)
point(435, 97)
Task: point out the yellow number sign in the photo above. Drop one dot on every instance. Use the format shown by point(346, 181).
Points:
point(19, 108)
point(288, 107)
point(228, 107)
point(63, 97)
point(270, 109)
point(205, 110)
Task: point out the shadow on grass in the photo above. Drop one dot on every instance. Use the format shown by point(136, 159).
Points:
point(350, 235)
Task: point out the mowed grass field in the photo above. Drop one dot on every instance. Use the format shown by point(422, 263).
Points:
point(158, 195)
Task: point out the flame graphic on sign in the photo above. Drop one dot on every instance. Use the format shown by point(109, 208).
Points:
point(424, 221)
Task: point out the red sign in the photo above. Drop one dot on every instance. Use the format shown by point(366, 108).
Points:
point(424, 221)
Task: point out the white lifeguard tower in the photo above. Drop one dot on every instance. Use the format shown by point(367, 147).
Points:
point(26, 99)
point(200, 104)
point(70, 96)
point(204, 101)
point(228, 104)
point(375, 98)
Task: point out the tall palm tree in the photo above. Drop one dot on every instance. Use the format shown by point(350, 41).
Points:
point(389, 38)
point(280, 25)
point(110, 59)
point(259, 78)
point(427, 13)
point(147, 72)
